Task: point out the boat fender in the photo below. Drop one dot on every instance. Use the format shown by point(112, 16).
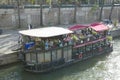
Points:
point(80, 56)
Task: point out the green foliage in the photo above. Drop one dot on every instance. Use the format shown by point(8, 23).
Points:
point(32, 1)
point(58, 1)
point(94, 8)
point(115, 23)
point(48, 1)
point(117, 2)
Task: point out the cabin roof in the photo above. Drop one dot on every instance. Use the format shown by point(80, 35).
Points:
point(77, 27)
point(98, 26)
point(46, 32)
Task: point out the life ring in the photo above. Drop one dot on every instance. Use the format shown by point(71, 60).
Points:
point(80, 56)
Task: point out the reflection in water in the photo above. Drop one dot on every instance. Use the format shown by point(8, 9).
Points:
point(11, 72)
point(104, 67)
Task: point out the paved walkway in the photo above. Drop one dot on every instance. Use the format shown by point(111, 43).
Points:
point(8, 41)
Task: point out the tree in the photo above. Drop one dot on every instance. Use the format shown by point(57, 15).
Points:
point(32, 1)
point(49, 2)
point(41, 13)
point(18, 10)
point(112, 7)
point(75, 10)
point(117, 2)
point(101, 10)
point(59, 11)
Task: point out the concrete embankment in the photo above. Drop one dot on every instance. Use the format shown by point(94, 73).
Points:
point(8, 42)
point(8, 58)
point(115, 33)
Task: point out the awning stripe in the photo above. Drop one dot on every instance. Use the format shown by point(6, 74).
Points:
point(98, 27)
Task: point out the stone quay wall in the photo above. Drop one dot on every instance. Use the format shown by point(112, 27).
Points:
point(84, 15)
point(8, 58)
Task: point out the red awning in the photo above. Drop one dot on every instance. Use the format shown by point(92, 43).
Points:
point(77, 27)
point(98, 27)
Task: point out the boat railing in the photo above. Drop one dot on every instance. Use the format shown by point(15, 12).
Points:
point(89, 42)
point(43, 50)
point(76, 45)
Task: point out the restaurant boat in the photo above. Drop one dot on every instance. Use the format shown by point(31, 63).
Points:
point(50, 48)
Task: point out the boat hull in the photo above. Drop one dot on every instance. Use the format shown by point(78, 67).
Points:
point(52, 67)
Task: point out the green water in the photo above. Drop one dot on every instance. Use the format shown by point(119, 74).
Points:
point(103, 67)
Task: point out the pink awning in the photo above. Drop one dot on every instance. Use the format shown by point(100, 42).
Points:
point(77, 27)
point(98, 26)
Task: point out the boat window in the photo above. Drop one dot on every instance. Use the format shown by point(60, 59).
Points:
point(27, 39)
point(94, 46)
point(28, 57)
point(69, 52)
point(54, 55)
point(48, 56)
point(41, 57)
point(65, 53)
point(98, 44)
point(59, 54)
point(106, 41)
point(75, 50)
point(88, 47)
point(101, 43)
point(33, 57)
point(82, 49)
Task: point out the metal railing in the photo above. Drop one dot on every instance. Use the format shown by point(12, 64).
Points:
point(54, 6)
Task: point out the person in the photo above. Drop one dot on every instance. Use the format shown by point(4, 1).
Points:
point(30, 26)
point(60, 43)
point(46, 45)
point(51, 43)
point(74, 37)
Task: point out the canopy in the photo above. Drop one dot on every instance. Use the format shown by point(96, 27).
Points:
point(77, 27)
point(98, 27)
point(46, 32)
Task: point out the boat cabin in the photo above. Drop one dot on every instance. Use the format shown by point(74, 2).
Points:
point(44, 47)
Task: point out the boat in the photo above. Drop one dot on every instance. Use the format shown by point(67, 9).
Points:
point(50, 48)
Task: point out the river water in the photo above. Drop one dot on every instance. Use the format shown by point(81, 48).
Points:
point(103, 67)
